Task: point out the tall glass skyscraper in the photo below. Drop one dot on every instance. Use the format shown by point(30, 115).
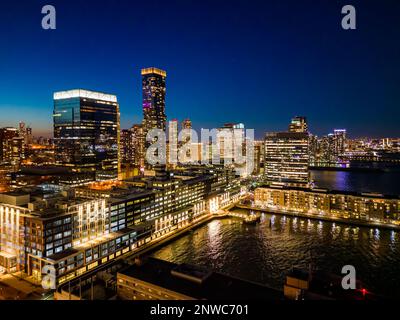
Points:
point(87, 133)
point(153, 84)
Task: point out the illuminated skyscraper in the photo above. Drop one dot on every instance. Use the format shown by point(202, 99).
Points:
point(298, 124)
point(153, 86)
point(286, 158)
point(12, 147)
point(339, 141)
point(87, 133)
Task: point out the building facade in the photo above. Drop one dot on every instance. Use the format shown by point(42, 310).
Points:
point(321, 202)
point(298, 124)
point(87, 133)
point(287, 158)
point(154, 90)
point(79, 229)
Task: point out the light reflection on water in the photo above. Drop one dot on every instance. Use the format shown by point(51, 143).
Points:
point(265, 252)
point(385, 182)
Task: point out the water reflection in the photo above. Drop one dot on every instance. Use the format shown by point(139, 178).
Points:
point(372, 181)
point(263, 253)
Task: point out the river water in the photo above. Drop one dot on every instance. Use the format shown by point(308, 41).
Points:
point(265, 252)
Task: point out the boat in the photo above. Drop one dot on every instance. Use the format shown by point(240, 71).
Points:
point(252, 219)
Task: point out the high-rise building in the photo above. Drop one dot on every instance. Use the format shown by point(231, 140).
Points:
point(12, 147)
point(138, 145)
point(339, 141)
point(126, 148)
point(154, 90)
point(6, 134)
point(298, 124)
point(286, 158)
point(29, 136)
point(229, 138)
point(172, 152)
point(87, 133)
point(258, 157)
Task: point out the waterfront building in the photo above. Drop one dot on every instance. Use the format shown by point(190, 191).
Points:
point(87, 134)
point(79, 229)
point(287, 158)
point(298, 124)
point(321, 202)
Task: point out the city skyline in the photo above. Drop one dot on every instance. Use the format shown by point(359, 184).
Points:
point(334, 78)
point(199, 150)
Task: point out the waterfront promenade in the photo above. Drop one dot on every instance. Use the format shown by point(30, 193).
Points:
point(335, 219)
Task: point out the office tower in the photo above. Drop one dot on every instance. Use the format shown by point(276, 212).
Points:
point(286, 158)
point(87, 133)
point(154, 89)
point(172, 151)
point(298, 124)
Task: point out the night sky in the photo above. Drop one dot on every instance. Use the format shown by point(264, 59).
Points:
point(256, 62)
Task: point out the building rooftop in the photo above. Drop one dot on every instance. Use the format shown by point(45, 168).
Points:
point(81, 93)
point(336, 192)
point(153, 70)
point(198, 282)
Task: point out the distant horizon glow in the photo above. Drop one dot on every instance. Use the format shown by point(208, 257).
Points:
point(241, 63)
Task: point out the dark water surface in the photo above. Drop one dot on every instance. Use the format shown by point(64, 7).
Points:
point(386, 182)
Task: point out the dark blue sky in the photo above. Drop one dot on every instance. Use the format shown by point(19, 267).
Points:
point(257, 62)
